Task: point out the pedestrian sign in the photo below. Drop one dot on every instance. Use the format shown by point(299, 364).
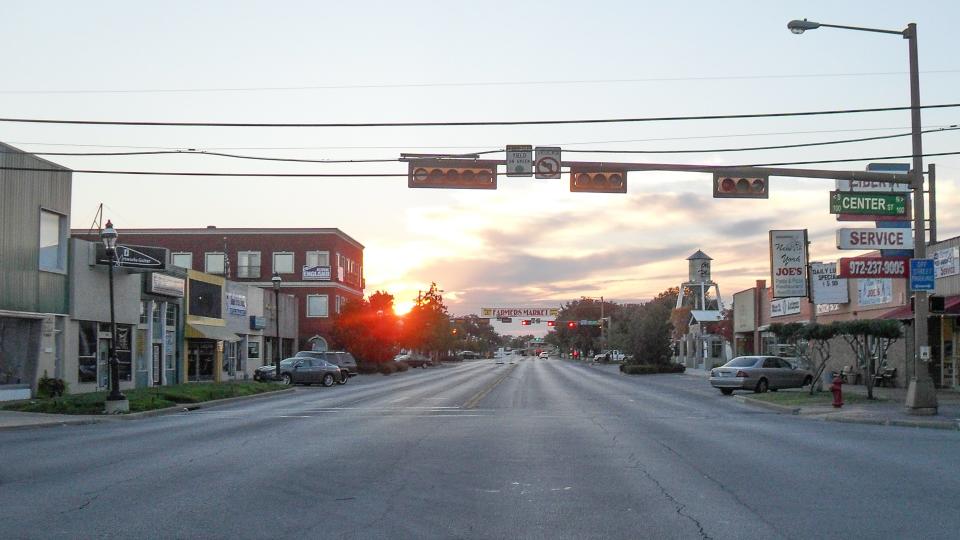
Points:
point(921, 275)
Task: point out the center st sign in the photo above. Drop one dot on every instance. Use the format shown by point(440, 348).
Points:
point(878, 204)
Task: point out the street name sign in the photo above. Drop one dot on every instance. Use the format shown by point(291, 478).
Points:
point(874, 267)
point(881, 204)
point(547, 164)
point(589, 323)
point(519, 160)
point(922, 277)
point(884, 187)
point(892, 238)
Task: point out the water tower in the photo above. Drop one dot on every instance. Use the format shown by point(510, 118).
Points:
point(699, 292)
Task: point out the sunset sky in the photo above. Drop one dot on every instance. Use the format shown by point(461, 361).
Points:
point(531, 242)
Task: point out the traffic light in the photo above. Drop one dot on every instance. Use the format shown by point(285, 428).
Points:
point(740, 187)
point(936, 304)
point(452, 174)
point(590, 180)
point(571, 324)
point(525, 322)
point(453, 331)
point(551, 323)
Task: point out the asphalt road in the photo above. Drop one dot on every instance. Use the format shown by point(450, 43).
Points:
point(534, 449)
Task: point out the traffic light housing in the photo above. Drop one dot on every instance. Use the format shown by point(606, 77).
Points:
point(452, 173)
point(525, 322)
point(591, 180)
point(935, 304)
point(571, 324)
point(551, 323)
point(740, 187)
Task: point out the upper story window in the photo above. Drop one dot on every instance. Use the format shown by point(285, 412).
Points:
point(53, 241)
point(318, 258)
point(214, 263)
point(283, 262)
point(248, 264)
point(318, 305)
point(183, 260)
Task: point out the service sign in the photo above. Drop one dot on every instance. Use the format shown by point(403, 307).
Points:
point(875, 267)
point(892, 238)
point(879, 204)
point(828, 288)
point(788, 263)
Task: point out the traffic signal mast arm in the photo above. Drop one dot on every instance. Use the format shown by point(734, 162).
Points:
point(866, 176)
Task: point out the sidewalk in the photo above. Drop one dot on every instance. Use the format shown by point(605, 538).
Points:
point(890, 411)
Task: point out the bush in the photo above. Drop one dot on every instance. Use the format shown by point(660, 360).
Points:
point(387, 368)
point(650, 369)
point(401, 366)
point(367, 368)
point(48, 387)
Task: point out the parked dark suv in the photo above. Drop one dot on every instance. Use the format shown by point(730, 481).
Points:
point(301, 371)
point(344, 360)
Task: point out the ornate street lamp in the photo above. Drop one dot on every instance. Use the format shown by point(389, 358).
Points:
point(116, 401)
point(276, 314)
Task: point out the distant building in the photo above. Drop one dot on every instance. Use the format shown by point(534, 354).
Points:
point(321, 267)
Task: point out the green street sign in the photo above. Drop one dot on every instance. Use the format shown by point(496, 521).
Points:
point(868, 203)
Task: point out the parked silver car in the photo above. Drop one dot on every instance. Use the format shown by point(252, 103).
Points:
point(758, 373)
point(301, 371)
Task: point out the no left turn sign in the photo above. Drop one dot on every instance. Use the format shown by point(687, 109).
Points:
point(548, 162)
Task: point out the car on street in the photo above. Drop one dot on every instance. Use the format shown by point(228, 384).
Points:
point(544, 355)
point(344, 360)
point(758, 373)
point(413, 360)
point(302, 370)
point(468, 355)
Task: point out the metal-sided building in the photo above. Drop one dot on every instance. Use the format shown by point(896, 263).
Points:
point(35, 197)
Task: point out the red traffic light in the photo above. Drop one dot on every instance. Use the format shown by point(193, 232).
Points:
point(572, 324)
point(452, 174)
point(551, 323)
point(584, 180)
point(739, 187)
point(525, 322)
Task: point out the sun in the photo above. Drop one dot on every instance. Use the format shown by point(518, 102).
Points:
point(402, 308)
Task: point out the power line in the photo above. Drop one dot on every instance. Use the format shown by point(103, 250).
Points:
point(474, 146)
point(466, 84)
point(404, 175)
point(471, 123)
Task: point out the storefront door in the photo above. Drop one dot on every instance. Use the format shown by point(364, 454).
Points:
point(201, 357)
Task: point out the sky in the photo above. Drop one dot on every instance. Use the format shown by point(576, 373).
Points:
point(530, 242)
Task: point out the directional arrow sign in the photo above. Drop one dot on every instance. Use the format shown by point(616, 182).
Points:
point(547, 164)
point(878, 204)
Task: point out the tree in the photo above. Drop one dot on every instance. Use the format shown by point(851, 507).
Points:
point(819, 337)
point(368, 328)
point(869, 340)
point(427, 326)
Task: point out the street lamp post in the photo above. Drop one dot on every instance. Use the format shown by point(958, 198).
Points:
point(921, 396)
point(276, 317)
point(116, 402)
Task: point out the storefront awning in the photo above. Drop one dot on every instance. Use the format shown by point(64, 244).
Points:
point(206, 331)
point(951, 306)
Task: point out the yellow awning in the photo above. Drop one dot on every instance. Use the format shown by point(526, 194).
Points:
point(206, 331)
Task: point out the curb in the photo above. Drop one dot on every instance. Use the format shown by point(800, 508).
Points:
point(772, 406)
point(180, 407)
point(949, 425)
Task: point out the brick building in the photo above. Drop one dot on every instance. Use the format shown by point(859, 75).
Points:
point(321, 267)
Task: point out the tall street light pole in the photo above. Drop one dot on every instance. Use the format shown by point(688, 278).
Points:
point(276, 317)
point(116, 402)
point(921, 395)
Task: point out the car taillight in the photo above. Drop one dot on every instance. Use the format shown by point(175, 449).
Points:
point(741, 373)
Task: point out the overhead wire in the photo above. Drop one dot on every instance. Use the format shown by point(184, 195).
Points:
point(471, 123)
point(464, 84)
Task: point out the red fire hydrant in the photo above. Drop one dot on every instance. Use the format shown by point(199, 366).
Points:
point(835, 387)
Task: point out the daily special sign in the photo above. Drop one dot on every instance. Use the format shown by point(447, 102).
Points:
point(828, 288)
point(874, 239)
point(788, 263)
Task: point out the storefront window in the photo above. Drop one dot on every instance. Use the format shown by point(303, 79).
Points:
point(87, 353)
point(171, 349)
point(157, 320)
point(171, 314)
